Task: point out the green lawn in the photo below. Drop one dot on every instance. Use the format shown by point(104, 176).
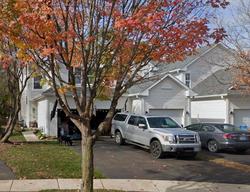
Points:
point(43, 160)
point(16, 136)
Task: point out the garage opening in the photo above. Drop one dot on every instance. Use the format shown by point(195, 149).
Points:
point(70, 129)
point(242, 117)
point(176, 114)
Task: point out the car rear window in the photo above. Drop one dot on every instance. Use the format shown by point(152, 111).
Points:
point(228, 128)
point(120, 117)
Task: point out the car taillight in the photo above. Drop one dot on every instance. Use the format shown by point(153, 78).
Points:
point(227, 136)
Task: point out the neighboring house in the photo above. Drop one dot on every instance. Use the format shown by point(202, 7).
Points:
point(39, 105)
point(218, 101)
point(183, 90)
point(175, 92)
point(165, 95)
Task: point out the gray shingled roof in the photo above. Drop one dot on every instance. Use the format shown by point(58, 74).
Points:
point(146, 83)
point(217, 83)
point(163, 67)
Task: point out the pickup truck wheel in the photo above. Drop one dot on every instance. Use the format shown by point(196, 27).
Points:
point(118, 138)
point(212, 146)
point(156, 149)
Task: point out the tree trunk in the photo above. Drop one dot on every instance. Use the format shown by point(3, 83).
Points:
point(8, 131)
point(87, 163)
point(10, 127)
point(106, 124)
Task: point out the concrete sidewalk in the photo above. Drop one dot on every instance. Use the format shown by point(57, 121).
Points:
point(30, 136)
point(121, 184)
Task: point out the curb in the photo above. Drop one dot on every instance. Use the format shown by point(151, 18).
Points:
point(37, 185)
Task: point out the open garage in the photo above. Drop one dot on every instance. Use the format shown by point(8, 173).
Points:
point(176, 114)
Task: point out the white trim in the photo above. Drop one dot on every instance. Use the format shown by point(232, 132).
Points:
point(227, 120)
point(172, 77)
point(146, 91)
point(178, 70)
point(208, 96)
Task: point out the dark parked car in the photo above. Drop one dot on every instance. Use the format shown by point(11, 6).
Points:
point(215, 136)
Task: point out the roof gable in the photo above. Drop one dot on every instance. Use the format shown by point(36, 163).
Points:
point(219, 82)
point(145, 87)
point(182, 65)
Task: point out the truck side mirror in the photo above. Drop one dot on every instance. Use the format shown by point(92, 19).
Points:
point(142, 126)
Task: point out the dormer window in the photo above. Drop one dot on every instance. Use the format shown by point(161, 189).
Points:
point(78, 76)
point(37, 82)
point(188, 79)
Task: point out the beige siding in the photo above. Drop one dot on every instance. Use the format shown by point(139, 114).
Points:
point(237, 103)
point(168, 94)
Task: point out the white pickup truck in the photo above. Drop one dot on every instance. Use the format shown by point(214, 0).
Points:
point(159, 134)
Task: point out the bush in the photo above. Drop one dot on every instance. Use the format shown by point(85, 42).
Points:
point(39, 134)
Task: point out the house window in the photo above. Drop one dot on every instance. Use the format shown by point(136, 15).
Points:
point(77, 76)
point(188, 79)
point(37, 82)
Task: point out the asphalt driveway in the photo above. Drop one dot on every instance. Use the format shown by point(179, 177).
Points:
point(234, 156)
point(131, 162)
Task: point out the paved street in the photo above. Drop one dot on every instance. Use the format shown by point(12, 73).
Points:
point(130, 162)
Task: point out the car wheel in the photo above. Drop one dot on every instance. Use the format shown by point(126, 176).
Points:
point(212, 146)
point(156, 149)
point(118, 138)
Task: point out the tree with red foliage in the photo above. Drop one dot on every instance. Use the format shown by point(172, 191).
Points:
point(108, 41)
point(14, 69)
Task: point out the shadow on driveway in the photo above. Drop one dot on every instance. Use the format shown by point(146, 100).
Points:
point(131, 162)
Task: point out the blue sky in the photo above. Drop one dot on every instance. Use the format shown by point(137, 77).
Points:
point(226, 14)
point(236, 29)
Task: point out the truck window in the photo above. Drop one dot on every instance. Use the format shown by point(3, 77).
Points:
point(120, 117)
point(141, 120)
point(132, 120)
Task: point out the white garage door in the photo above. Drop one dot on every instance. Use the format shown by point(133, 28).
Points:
point(242, 117)
point(176, 114)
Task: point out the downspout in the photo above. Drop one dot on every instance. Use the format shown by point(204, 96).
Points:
point(227, 119)
point(125, 105)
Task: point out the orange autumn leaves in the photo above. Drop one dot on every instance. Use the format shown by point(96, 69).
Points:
point(111, 38)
